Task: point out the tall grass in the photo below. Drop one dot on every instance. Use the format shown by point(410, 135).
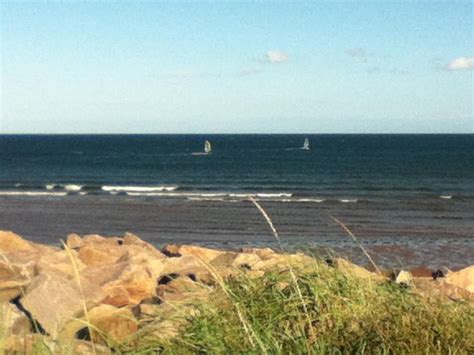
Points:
point(321, 310)
point(347, 314)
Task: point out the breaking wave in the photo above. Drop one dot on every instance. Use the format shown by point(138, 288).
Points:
point(138, 188)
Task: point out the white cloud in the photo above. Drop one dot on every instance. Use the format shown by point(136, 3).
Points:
point(461, 63)
point(275, 56)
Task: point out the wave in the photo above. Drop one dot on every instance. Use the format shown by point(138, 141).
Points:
point(348, 200)
point(218, 199)
point(138, 188)
point(446, 197)
point(262, 195)
point(176, 194)
point(315, 200)
point(72, 187)
point(32, 193)
point(209, 195)
point(269, 195)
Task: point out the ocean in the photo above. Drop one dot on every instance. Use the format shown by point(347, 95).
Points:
point(408, 198)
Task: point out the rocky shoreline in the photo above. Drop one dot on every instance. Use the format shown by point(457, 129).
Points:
point(99, 290)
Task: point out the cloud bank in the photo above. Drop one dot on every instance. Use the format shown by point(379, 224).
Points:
point(461, 63)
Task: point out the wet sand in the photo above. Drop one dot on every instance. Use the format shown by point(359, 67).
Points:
point(398, 234)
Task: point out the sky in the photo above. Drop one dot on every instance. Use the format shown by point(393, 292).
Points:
point(237, 67)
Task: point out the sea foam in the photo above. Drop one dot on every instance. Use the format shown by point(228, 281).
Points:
point(138, 188)
point(72, 187)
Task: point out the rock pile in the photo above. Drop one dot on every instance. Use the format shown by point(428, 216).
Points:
point(106, 289)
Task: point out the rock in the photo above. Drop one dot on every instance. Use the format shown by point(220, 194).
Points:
point(98, 239)
point(181, 289)
point(11, 242)
point(133, 243)
point(130, 281)
point(246, 260)
point(13, 321)
point(74, 241)
point(96, 255)
point(87, 348)
point(199, 270)
point(168, 319)
point(53, 300)
point(171, 250)
point(27, 344)
point(440, 289)
point(279, 262)
point(454, 292)
point(148, 310)
point(181, 264)
point(62, 263)
point(404, 277)
point(12, 245)
point(263, 253)
point(463, 278)
point(14, 278)
point(223, 260)
point(115, 324)
point(347, 268)
point(204, 254)
point(189, 266)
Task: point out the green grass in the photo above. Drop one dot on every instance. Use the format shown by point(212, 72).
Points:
point(347, 316)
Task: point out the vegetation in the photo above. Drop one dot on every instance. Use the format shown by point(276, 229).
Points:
point(346, 315)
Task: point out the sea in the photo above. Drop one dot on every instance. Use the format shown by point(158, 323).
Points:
point(407, 199)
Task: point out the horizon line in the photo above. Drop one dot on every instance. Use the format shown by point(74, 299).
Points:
point(233, 133)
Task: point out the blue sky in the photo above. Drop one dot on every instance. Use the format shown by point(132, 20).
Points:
point(235, 67)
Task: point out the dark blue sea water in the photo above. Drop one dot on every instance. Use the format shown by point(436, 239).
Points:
point(392, 190)
point(336, 166)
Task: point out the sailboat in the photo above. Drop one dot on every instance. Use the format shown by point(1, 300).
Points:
point(207, 149)
point(305, 144)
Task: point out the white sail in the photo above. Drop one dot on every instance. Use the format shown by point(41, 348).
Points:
point(207, 147)
point(305, 144)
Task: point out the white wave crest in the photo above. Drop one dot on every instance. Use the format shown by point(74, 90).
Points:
point(242, 195)
point(269, 195)
point(177, 194)
point(138, 188)
point(50, 186)
point(446, 197)
point(262, 195)
point(315, 200)
point(218, 199)
point(72, 187)
point(348, 200)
